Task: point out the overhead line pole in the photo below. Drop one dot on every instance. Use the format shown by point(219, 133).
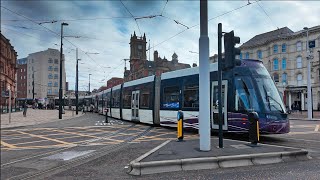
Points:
point(77, 83)
point(204, 78)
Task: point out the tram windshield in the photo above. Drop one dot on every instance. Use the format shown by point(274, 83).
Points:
point(246, 98)
point(270, 95)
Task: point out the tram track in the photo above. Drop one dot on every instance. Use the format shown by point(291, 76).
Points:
point(66, 148)
point(42, 174)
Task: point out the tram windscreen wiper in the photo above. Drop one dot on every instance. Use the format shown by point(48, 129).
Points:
point(268, 100)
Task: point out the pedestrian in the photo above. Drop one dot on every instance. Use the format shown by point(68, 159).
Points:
point(83, 109)
point(25, 107)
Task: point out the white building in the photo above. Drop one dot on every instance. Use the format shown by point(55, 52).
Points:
point(284, 53)
point(44, 67)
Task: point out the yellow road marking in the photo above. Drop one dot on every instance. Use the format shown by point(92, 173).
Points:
point(8, 145)
point(30, 142)
point(74, 133)
point(317, 128)
point(43, 137)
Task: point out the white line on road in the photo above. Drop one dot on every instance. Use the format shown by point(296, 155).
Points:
point(317, 128)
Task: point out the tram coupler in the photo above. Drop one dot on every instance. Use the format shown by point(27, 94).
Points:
point(253, 118)
point(180, 126)
point(107, 121)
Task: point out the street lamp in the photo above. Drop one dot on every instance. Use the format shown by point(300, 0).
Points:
point(309, 78)
point(89, 82)
point(77, 84)
point(60, 89)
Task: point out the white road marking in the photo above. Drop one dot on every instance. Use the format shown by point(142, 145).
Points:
point(317, 128)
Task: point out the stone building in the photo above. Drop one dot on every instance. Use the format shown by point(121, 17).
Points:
point(284, 53)
point(141, 67)
point(113, 82)
point(22, 74)
point(7, 70)
point(44, 70)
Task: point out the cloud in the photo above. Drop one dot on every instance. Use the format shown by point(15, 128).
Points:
point(110, 37)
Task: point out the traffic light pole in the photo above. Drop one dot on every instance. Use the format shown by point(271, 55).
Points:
point(220, 84)
point(77, 78)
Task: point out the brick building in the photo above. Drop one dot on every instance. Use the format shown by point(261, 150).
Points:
point(141, 67)
point(113, 82)
point(7, 70)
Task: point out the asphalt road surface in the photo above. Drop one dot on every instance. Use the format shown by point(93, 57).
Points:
point(89, 148)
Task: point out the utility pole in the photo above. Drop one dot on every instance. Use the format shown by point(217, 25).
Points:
point(89, 82)
point(309, 78)
point(204, 78)
point(33, 85)
point(77, 83)
point(60, 88)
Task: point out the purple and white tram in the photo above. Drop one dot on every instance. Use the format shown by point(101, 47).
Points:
point(156, 99)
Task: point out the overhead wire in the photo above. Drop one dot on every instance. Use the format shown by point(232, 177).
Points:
point(132, 17)
point(265, 12)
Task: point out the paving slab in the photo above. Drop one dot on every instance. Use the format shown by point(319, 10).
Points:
point(177, 156)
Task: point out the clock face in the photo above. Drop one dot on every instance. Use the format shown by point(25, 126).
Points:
point(139, 46)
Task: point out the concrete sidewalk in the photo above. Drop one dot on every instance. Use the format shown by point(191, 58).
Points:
point(303, 115)
point(34, 117)
point(179, 156)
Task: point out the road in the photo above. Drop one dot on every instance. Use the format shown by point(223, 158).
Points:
point(88, 148)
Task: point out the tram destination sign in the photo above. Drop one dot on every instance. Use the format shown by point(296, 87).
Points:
point(312, 44)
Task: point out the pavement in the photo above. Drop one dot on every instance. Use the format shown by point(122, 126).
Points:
point(34, 117)
point(173, 156)
point(303, 115)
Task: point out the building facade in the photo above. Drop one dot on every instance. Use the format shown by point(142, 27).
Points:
point(113, 82)
point(22, 82)
point(284, 53)
point(7, 70)
point(44, 74)
point(141, 67)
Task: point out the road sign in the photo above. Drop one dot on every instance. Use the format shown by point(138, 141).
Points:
point(312, 44)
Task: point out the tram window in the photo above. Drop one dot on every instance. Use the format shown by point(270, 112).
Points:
point(127, 100)
point(191, 96)
point(116, 99)
point(246, 98)
point(144, 99)
point(107, 100)
point(171, 97)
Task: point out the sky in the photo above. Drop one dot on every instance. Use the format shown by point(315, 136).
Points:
point(101, 30)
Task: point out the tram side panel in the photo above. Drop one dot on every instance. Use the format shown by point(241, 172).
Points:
point(115, 102)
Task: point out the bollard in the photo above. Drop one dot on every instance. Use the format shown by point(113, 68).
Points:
point(180, 126)
point(107, 110)
point(253, 127)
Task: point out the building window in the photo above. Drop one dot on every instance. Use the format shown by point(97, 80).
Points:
point(49, 84)
point(55, 76)
point(299, 46)
point(299, 79)
point(56, 68)
point(284, 63)
point(240, 56)
point(32, 62)
point(20, 77)
point(49, 91)
point(247, 55)
point(24, 77)
point(276, 77)
point(55, 84)
point(50, 61)
point(20, 70)
point(284, 48)
point(259, 54)
point(275, 64)
point(299, 62)
point(50, 68)
point(275, 49)
point(284, 78)
point(56, 61)
point(50, 76)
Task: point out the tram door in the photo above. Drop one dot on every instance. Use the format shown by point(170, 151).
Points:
point(135, 105)
point(215, 105)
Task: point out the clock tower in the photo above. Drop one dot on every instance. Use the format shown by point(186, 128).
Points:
point(138, 47)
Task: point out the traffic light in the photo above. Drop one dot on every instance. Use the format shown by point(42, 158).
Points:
point(230, 51)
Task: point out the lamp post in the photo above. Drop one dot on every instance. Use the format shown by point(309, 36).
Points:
point(77, 84)
point(309, 78)
point(60, 89)
point(33, 85)
point(89, 82)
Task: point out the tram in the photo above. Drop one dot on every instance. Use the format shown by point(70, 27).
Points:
point(155, 100)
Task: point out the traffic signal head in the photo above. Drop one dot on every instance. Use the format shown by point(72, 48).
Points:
point(230, 51)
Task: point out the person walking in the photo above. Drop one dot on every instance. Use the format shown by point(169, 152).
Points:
point(25, 107)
